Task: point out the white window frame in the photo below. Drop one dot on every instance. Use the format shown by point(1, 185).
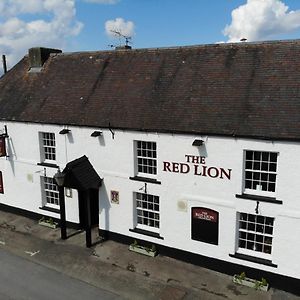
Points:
point(146, 151)
point(50, 191)
point(262, 171)
point(145, 205)
point(48, 147)
point(255, 234)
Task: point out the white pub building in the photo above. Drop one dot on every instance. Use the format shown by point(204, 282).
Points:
point(192, 149)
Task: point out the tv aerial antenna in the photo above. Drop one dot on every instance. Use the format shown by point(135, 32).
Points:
point(120, 36)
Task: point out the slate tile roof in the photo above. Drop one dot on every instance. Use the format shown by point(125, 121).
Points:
point(245, 89)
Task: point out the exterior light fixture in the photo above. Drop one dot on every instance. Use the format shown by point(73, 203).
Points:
point(65, 131)
point(96, 133)
point(59, 178)
point(198, 142)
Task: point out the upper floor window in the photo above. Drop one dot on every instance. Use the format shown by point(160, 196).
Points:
point(255, 234)
point(50, 192)
point(260, 171)
point(48, 146)
point(146, 158)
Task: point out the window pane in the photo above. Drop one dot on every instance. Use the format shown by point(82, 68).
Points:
point(146, 162)
point(255, 232)
point(260, 173)
point(147, 209)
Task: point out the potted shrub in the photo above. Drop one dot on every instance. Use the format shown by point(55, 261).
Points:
point(257, 284)
point(135, 247)
point(48, 222)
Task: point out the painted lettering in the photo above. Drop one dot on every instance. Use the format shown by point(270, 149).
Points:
point(196, 164)
point(213, 172)
point(175, 166)
point(226, 173)
point(184, 168)
point(196, 170)
point(167, 166)
point(202, 160)
point(188, 157)
point(195, 159)
point(204, 170)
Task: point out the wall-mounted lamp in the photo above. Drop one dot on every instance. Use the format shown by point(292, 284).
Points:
point(198, 143)
point(96, 133)
point(59, 178)
point(65, 131)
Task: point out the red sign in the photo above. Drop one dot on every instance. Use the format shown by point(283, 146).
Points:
point(2, 146)
point(1, 184)
point(205, 214)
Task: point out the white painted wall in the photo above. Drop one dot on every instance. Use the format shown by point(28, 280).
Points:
point(113, 159)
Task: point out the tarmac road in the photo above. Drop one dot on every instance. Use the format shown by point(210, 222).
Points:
point(21, 279)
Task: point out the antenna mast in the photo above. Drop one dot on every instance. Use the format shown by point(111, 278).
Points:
point(120, 35)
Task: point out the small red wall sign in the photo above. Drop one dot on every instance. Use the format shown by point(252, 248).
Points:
point(2, 146)
point(1, 184)
point(205, 214)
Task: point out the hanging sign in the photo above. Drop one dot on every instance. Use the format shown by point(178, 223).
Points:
point(1, 184)
point(2, 146)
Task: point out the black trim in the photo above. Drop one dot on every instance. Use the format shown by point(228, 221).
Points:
point(48, 165)
point(145, 179)
point(282, 282)
point(32, 215)
point(259, 198)
point(146, 232)
point(257, 260)
point(52, 209)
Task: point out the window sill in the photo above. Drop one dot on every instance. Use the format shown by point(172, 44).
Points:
point(257, 260)
point(145, 179)
point(146, 232)
point(51, 209)
point(48, 165)
point(259, 198)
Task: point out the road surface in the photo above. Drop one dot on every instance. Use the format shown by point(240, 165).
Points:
point(21, 279)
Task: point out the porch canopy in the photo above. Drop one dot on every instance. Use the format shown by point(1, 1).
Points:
point(80, 175)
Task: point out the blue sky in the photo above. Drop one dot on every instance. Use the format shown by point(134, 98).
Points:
point(160, 23)
point(80, 25)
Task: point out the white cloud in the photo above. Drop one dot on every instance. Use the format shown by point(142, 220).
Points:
point(103, 1)
point(126, 28)
point(261, 20)
point(18, 35)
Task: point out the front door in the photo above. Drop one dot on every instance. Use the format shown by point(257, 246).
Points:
point(94, 207)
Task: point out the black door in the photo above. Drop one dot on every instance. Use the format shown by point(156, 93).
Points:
point(94, 207)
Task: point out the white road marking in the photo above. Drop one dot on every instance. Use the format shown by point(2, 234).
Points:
point(32, 253)
point(2, 243)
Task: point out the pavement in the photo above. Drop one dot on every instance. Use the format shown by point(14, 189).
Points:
point(111, 266)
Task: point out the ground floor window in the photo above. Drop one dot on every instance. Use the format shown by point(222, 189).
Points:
point(255, 234)
point(50, 192)
point(147, 211)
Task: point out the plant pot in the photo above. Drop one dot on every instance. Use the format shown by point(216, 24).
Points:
point(142, 250)
point(258, 285)
point(49, 225)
